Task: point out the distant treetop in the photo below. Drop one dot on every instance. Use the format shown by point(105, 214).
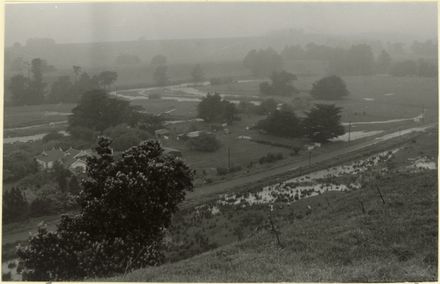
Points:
point(329, 88)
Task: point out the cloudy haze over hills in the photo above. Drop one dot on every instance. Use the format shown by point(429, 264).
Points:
point(132, 21)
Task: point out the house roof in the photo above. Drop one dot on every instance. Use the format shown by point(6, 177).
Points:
point(68, 157)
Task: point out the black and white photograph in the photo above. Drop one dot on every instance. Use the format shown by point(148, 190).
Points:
point(220, 142)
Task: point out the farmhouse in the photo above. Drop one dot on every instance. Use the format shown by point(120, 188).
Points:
point(73, 159)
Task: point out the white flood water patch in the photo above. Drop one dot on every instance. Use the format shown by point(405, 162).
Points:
point(355, 135)
point(423, 163)
point(369, 99)
point(37, 125)
point(389, 94)
point(270, 195)
point(171, 122)
point(307, 185)
point(215, 210)
point(10, 140)
point(51, 113)
point(402, 132)
point(191, 93)
point(417, 118)
point(251, 80)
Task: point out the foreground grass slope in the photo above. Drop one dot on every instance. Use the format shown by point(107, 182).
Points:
point(337, 241)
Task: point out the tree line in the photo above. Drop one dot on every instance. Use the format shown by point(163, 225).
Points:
point(33, 90)
point(358, 59)
point(321, 123)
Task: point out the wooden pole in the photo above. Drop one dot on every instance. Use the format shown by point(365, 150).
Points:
point(380, 194)
point(274, 230)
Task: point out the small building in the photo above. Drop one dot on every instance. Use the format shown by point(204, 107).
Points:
point(73, 159)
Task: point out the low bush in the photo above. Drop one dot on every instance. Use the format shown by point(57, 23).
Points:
point(270, 158)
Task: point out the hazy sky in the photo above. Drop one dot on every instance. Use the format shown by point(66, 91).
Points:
point(131, 21)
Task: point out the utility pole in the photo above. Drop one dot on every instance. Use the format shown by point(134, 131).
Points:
point(229, 158)
point(310, 158)
point(349, 131)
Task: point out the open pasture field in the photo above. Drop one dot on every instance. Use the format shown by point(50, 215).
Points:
point(180, 109)
point(22, 116)
point(242, 151)
point(380, 97)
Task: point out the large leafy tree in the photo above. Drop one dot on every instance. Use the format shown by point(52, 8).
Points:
point(37, 85)
point(323, 122)
point(329, 88)
point(97, 111)
point(197, 73)
point(281, 123)
point(214, 109)
point(106, 78)
point(281, 84)
point(160, 75)
point(263, 62)
point(19, 88)
point(62, 91)
point(125, 205)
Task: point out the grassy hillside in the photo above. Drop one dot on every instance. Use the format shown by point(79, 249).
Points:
point(348, 235)
point(395, 241)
